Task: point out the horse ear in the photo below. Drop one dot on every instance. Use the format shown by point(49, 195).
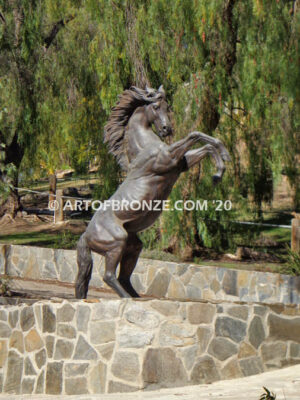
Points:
point(161, 90)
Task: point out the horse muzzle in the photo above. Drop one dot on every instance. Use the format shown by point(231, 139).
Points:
point(166, 131)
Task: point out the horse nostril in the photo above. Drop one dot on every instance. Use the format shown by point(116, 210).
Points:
point(167, 129)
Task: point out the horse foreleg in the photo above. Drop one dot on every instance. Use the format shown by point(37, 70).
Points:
point(128, 262)
point(217, 143)
point(193, 157)
point(179, 148)
point(165, 160)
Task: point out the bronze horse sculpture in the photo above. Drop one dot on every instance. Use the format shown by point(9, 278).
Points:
point(152, 168)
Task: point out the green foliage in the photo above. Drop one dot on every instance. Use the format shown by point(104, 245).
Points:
point(5, 286)
point(9, 171)
point(292, 266)
point(109, 175)
point(229, 69)
point(150, 237)
point(65, 240)
point(211, 226)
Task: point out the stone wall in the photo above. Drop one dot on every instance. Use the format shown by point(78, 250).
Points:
point(156, 278)
point(106, 346)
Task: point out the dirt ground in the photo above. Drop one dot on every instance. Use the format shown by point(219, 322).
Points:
point(33, 223)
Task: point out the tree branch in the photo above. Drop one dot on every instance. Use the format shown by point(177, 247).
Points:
point(240, 108)
point(233, 119)
point(230, 56)
point(56, 28)
point(115, 5)
point(2, 18)
point(140, 69)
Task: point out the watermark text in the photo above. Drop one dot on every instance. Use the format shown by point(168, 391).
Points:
point(144, 205)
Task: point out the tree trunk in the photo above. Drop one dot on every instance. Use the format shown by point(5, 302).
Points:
point(12, 153)
point(210, 103)
point(10, 203)
point(139, 69)
point(52, 186)
point(296, 195)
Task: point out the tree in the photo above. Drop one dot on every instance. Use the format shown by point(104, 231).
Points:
point(229, 68)
point(23, 43)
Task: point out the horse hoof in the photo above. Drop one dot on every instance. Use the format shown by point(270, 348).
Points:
point(216, 179)
point(225, 156)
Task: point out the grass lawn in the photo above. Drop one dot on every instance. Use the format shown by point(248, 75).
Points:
point(59, 240)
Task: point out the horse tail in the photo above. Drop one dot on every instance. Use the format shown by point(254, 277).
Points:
point(85, 266)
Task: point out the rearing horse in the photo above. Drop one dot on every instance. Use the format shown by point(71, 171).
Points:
point(152, 168)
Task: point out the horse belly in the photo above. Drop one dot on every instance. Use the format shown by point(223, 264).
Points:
point(141, 200)
point(138, 191)
point(143, 222)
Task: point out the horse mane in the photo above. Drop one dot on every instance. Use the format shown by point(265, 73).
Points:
point(114, 130)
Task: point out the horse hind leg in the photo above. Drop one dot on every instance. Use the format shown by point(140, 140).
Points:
point(128, 262)
point(85, 266)
point(111, 243)
point(112, 259)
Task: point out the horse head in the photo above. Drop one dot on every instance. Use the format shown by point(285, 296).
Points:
point(152, 103)
point(157, 111)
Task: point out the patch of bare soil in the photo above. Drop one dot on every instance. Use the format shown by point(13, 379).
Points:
point(33, 223)
point(29, 291)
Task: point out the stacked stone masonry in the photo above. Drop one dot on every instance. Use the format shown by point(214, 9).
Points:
point(105, 346)
point(156, 278)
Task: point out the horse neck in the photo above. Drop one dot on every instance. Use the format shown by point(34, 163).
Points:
point(139, 134)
